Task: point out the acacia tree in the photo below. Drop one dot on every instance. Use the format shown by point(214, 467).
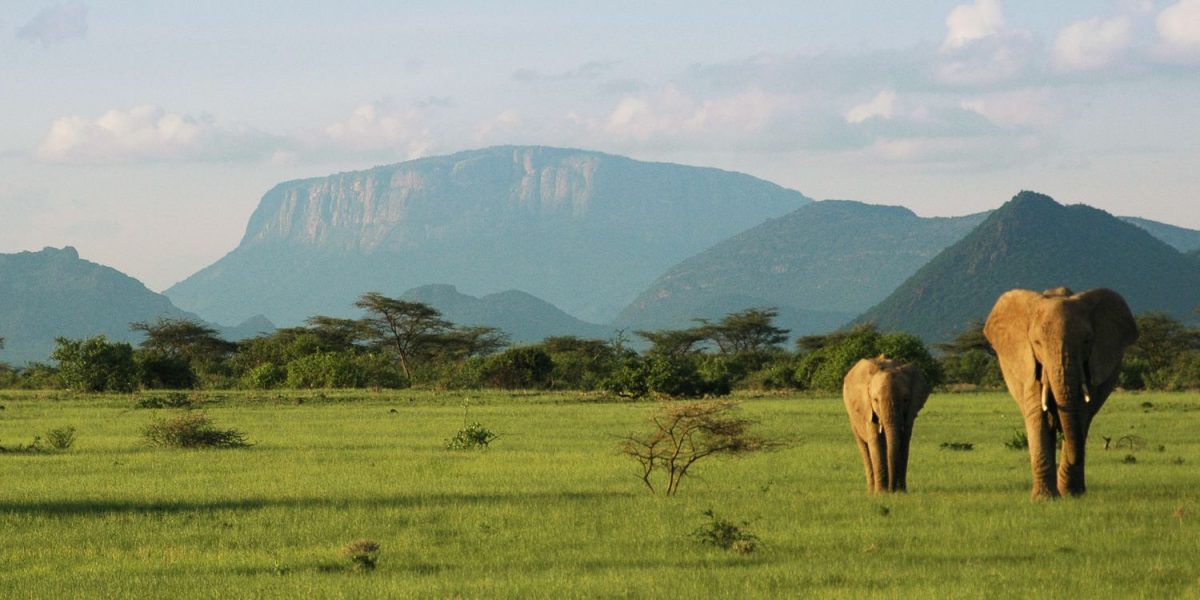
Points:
point(751, 330)
point(404, 327)
point(673, 342)
point(183, 339)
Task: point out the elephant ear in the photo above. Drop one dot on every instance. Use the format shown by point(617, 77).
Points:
point(855, 390)
point(918, 387)
point(1114, 329)
point(1007, 330)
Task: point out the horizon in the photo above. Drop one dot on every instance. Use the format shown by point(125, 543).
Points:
point(145, 135)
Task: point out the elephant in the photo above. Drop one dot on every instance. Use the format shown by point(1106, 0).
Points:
point(1060, 354)
point(882, 399)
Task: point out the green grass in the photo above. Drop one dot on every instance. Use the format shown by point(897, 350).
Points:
point(553, 510)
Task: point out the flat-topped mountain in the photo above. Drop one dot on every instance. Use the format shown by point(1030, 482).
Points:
point(583, 230)
point(1035, 243)
point(821, 265)
point(54, 293)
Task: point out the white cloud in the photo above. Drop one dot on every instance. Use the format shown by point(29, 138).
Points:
point(378, 128)
point(1019, 108)
point(56, 24)
point(146, 133)
point(970, 22)
point(1091, 44)
point(1179, 27)
point(882, 106)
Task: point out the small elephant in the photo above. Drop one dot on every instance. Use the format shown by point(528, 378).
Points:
point(882, 398)
point(1061, 355)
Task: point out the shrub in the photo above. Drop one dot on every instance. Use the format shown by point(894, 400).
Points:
point(160, 371)
point(686, 432)
point(518, 368)
point(95, 364)
point(191, 430)
point(678, 376)
point(61, 438)
point(265, 377)
point(472, 436)
point(363, 555)
point(825, 367)
point(725, 534)
point(959, 446)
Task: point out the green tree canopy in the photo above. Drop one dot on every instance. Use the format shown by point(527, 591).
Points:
point(408, 329)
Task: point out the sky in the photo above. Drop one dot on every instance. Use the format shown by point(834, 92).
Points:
point(144, 132)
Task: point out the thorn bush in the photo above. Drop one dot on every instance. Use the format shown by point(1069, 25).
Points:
point(726, 534)
point(191, 430)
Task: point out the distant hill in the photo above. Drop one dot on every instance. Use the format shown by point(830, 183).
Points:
point(54, 293)
point(1181, 238)
point(585, 231)
point(821, 265)
point(1035, 243)
point(525, 318)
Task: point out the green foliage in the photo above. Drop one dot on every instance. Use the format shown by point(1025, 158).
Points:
point(678, 376)
point(725, 534)
point(157, 370)
point(1164, 357)
point(972, 367)
point(265, 377)
point(516, 368)
point(581, 364)
point(363, 555)
point(473, 436)
point(191, 429)
point(826, 366)
point(95, 364)
point(60, 438)
point(1018, 441)
point(345, 369)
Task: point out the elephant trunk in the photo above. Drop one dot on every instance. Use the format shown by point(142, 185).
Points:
point(1070, 391)
point(896, 456)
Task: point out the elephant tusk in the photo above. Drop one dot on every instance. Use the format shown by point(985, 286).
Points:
point(1086, 396)
point(881, 428)
point(1045, 397)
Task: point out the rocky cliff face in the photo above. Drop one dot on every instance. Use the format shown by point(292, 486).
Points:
point(585, 231)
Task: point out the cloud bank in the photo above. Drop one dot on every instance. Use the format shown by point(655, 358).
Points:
point(56, 24)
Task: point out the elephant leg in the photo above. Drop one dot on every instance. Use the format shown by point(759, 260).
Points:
point(1041, 450)
point(1070, 469)
point(879, 463)
point(866, 458)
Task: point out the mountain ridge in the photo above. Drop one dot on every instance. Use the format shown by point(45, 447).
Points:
point(1091, 248)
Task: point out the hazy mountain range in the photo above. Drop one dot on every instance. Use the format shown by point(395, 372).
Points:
point(546, 241)
point(582, 230)
point(55, 293)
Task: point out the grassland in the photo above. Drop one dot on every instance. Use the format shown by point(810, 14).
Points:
point(553, 510)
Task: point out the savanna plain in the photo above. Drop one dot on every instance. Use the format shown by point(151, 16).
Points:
point(553, 509)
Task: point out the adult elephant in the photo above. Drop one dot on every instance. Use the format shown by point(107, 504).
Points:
point(1061, 355)
point(882, 398)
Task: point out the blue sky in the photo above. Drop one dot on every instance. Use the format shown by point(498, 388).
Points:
point(144, 132)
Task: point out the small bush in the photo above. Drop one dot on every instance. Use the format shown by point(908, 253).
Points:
point(1018, 441)
point(363, 555)
point(725, 534)
point(958, 446)
point(61, 438)
point(1129, 459)
point(470, 437)
point(191, 430)
point(171, 400)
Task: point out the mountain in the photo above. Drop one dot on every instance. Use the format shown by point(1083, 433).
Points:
point(54, 293)
point(583, 230)
point(1181, 238)
point(820, 264)
point(525, 318)
point(1035, 243)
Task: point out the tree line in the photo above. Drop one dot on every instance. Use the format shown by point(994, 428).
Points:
point(399, 343)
